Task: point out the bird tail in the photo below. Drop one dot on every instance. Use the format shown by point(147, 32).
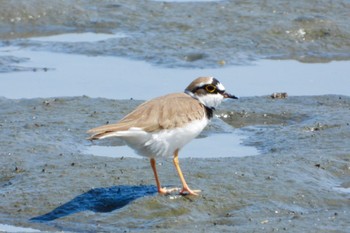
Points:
point(97, 136)
point(114, 130)
point(101, 132)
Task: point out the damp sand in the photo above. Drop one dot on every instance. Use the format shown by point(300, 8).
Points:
point(299, 181)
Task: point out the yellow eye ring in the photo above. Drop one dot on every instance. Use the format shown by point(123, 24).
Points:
point(210, 88)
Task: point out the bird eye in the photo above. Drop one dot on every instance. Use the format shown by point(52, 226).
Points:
point(210, 88)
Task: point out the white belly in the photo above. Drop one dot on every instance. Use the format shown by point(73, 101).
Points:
point(162, 143)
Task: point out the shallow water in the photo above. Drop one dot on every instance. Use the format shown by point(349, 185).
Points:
point(262, 164)
point(58, 74)
point(9, 228)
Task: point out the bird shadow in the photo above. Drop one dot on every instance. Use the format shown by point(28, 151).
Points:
point(99, 200)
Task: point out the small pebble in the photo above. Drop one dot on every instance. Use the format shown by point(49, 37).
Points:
point(279, 95)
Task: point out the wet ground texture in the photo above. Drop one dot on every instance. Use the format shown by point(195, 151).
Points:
point(299, 183)
point(183, 34)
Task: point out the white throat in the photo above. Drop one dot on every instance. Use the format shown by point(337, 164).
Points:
point(210, 100)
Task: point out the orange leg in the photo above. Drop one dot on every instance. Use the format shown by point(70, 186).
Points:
point(159, 187)
point(185, 189)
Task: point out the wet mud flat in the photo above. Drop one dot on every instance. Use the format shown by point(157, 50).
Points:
point(298, 183)
point(182, 33)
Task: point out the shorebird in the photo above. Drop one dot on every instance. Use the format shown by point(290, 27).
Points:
point(162, 126)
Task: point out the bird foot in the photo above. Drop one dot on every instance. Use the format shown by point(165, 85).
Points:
point(166, 191)
point(187, 191)
point(183, 191)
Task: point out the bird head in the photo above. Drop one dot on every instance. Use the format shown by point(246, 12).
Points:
point(209, 91)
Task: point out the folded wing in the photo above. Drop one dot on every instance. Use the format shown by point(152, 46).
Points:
point(166, 112)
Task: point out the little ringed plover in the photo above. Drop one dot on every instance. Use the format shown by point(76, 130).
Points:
point(162, 126)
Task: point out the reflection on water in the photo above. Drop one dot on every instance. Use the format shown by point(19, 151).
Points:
point(99, 200)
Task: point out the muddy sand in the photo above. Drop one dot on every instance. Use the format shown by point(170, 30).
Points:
point(299, 182)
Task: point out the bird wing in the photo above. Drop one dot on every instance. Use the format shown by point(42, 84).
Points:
point(165, 112)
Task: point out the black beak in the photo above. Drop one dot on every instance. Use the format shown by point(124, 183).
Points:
point(227, 95)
